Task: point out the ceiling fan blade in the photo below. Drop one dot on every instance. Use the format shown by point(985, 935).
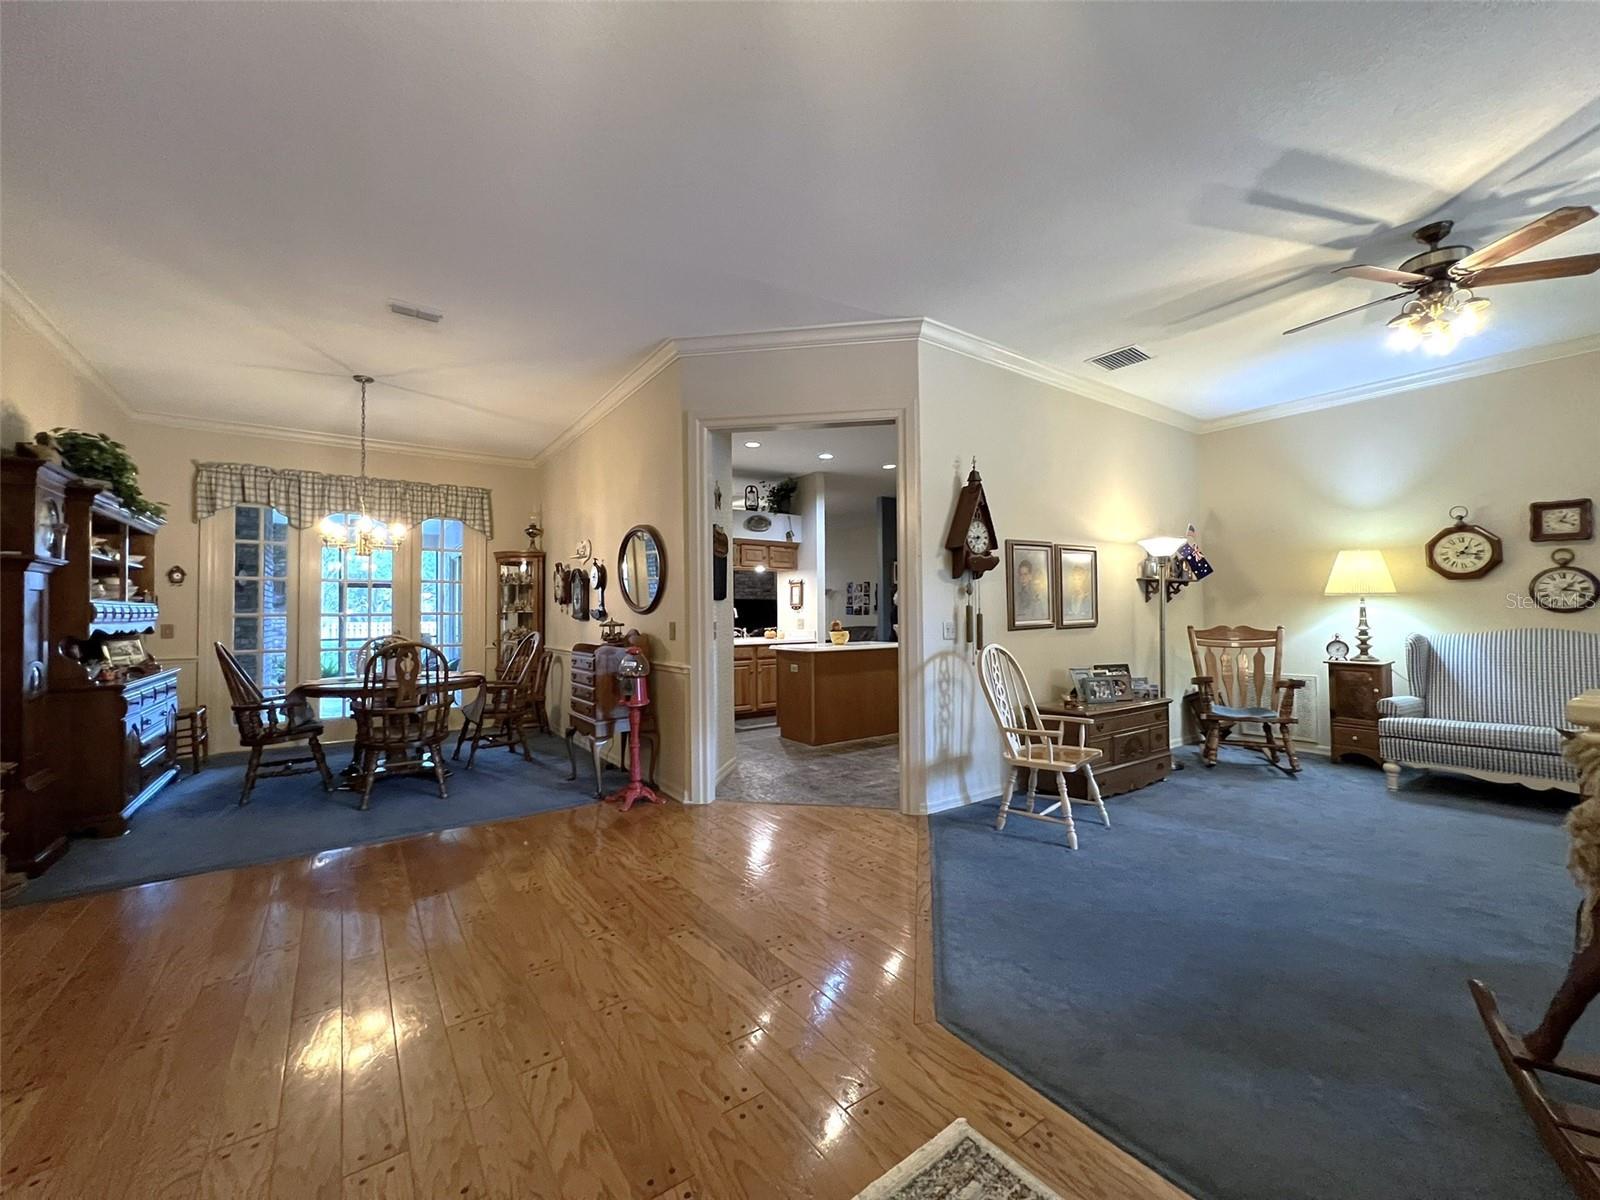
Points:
point(1545, 268)
point(1346, 312)
point(1383, 275)
point(1530, 235)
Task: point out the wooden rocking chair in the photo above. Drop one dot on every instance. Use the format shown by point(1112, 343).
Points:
point(1241, 684)
point(1027, 743)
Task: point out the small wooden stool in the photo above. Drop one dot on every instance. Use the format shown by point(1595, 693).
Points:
point(194, 738)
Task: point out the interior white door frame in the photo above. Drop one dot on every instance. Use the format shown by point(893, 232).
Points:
point(703, 716)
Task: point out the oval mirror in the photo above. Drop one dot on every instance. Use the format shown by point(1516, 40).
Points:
point(642, 568)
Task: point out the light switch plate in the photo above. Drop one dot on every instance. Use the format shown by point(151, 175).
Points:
point(949, 631)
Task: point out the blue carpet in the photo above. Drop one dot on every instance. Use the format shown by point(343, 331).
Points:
point(1257, 984)
point(196, 824)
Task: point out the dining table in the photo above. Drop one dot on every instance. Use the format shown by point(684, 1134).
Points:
point(353, 687)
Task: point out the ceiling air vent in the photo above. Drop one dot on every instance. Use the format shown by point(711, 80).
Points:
point(1115, 360)
point(401, 308)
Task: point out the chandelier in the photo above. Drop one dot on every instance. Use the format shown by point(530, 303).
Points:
point(1438, 319)
point(366, 534)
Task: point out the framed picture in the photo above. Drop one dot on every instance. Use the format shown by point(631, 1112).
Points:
point(1030, 585)
point(1077, 588)
point(1112, 669)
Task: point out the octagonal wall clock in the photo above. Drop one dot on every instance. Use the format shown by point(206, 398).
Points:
point(1464, 551)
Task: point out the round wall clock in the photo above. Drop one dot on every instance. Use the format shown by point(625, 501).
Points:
point(1564, 588)
point(1337, 650)
point(1463, 551)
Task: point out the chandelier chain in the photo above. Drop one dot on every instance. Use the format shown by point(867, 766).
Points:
point(361, 486)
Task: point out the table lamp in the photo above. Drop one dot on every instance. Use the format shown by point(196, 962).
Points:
point(1360, 573)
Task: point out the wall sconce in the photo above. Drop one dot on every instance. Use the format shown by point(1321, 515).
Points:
point(797, 594)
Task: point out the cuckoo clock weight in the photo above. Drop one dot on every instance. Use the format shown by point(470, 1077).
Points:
point(972, 543)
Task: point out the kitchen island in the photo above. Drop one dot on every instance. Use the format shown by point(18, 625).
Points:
point(829, 693)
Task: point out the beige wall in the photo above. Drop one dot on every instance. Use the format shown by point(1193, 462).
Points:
point(852, 558)
point(1282, 497)
point(627, 470)
point(1056, 467)
point(42, 388)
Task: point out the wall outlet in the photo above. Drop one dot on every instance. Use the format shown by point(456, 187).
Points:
point(949, 631)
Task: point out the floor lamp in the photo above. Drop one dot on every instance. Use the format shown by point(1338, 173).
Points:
point(1161, 549)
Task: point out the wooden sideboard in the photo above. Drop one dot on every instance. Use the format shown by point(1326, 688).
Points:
point(1133, 738)
point(1354, 689)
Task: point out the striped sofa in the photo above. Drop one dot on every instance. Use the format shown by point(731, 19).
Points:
point(1490, 705)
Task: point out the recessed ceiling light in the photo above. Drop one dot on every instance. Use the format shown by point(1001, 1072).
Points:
point(825, 456)
point(888, 466)
point(752, 445)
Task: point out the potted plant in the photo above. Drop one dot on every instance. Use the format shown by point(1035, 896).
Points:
point(781, 494)
point(96, 456)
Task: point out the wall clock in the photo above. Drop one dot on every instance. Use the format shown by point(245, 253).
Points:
point(1561, 520)
point(971, 540)
point(1564, 588)
point(1337, 650)
point(1463, 551)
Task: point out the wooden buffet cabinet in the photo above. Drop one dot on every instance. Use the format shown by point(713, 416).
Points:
point(755, 679)
point(94, 742)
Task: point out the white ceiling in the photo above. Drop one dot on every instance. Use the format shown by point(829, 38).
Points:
point(215, 202)
point(853, 478)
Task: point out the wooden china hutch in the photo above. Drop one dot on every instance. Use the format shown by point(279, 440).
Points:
point(89, 716)
point(519, 579)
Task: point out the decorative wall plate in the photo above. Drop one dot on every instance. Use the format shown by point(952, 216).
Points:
point(758, 522)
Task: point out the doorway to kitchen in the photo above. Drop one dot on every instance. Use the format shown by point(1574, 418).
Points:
point(810, 603)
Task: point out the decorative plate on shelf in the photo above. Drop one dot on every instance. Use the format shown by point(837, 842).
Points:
point(758, 522)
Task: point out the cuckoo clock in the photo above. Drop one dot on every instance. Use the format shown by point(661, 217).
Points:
point(972, 541)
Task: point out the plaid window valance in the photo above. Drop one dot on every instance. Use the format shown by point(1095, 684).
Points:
point(305, 497)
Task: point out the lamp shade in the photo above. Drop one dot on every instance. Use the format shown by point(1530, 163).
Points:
point(1359, 573)
point(1161, 547)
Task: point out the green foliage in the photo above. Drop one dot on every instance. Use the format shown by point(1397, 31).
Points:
point(96, 456)
point(780, 494)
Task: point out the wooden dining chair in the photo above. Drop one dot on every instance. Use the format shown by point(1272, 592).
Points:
point(499, 713)
point(268, 721)
point(1027, 742)
point(538, 692)
point(403, 715)
point(1238, 674)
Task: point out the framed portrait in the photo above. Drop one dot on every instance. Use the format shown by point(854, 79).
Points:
point(1077, 587)
point(1030, 585)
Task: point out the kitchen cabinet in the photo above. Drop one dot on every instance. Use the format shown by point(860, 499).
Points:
point(775, 556)
point(755, 680)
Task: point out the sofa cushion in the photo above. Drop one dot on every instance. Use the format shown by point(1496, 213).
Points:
point(1535, 739)
point(1505, 676)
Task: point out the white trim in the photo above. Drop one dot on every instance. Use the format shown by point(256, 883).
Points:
point(35, 319)
point(803, 337)
point(641, 373)
point(1491, 364)
point(970, 345)
point(287, 433)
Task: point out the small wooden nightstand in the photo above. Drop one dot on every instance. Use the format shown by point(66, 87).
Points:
point(1354, 689)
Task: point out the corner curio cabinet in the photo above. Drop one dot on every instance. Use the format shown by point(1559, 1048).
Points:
point(519, 594)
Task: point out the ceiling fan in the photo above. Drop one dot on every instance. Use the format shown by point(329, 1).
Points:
point(1440, 307)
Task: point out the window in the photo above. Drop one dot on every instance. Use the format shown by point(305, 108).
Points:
point(443, 599)
point(356, 602)
point(260, 624)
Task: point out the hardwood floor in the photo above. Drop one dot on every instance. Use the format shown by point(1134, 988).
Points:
point(696, 1003)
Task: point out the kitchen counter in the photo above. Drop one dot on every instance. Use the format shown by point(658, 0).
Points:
point(766, 641)
point(829, 693)
point(829, 647)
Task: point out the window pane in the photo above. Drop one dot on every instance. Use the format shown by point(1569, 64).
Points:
point(383, 564)
point(455, 535)
point(358, 600)
point(275, 633)
point(329, 663)
point(383, 600)
point(247, 522)
point(251, 664)
point(246, 633)
point(430, 597)
point(277, 526)
point(357, 566)
point(330, 597)
point(247, 558)
point(246, 596)
point(430, 564)
point(332, 563)
point(440, 598)
point(329, 629)
point(277, 561)
point(275, 596)
point(276, 668)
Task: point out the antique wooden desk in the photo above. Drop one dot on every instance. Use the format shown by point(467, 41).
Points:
point(1133, 738)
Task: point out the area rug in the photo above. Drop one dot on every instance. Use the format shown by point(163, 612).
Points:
point(958, 1163)
point(196, 823)
point(1257, 984)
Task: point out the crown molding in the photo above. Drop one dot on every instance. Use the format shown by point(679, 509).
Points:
point(641, 373)
point(803, 337)
point(936, 333)
point(37, 320)
point(1491, 364)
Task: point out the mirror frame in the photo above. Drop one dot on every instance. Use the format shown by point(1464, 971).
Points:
point(661, 554)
